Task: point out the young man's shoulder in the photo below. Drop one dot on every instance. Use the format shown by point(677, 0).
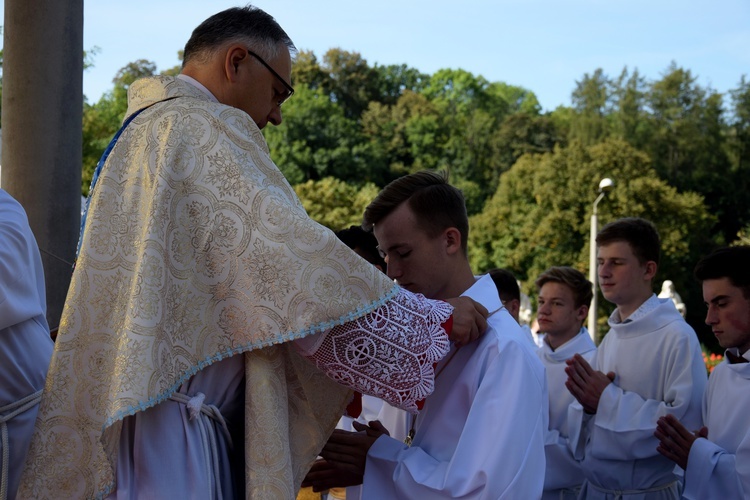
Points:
point(725, 372)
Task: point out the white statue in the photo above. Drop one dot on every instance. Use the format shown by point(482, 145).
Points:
point(668, 292)
point(524, 311)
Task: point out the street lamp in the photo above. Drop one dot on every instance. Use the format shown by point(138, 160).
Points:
point(605, 186)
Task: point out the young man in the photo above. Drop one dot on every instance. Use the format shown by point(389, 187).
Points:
point(648, 365)
point(562, 306)
point(200, 285)
point(510, 294)
point(716, 459)
point(481, 433)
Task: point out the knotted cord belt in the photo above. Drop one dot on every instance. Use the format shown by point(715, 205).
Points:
point(15, 408)
point(201, 413)
point(622, 493)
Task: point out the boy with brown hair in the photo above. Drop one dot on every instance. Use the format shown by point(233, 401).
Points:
point(562, 305)
point(716, 459)
point(648, 365)
point(481, 432)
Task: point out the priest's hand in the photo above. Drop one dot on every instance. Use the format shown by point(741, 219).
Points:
point(469, 320)
point(585, 383)
point(675, 440)
point(323, 476)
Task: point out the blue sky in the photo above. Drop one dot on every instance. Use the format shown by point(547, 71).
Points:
point(542, 45)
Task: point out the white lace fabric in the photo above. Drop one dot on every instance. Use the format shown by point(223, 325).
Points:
point(389, 353)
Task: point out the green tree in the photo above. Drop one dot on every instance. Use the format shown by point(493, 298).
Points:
point(317, 140)
point(591, 102)
point(522, 133)
point(334, 203)
point(351, 82)
point(687, 145)
point(406, 136)
point(539, 216)
point(737, 183)
point(395, 79)
point(629, 119)
point(308, 72)
point(739, 145)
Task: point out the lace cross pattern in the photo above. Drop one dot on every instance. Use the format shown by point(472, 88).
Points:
point(390, 352)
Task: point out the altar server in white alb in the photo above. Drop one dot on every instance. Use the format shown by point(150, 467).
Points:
point(649, 365)
point(716, 457)
point(25, 343)
point(562, 306)
point(481, 433)
point(200, 288)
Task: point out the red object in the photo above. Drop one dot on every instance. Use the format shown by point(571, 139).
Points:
point(354, 408)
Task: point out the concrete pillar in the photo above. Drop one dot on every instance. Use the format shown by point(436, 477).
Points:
point(42, 110)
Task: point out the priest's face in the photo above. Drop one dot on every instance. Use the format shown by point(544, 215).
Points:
point(263, 85)
point(557, 314)
point(728, 313)
point(416, 260)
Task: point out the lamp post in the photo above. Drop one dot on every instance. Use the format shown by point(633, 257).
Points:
point(605, 186)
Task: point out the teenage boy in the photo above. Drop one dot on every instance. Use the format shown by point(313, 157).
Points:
point(716, 459)
point(510, 295)
point(481, 433)
point(648, 365)
point(562, 305)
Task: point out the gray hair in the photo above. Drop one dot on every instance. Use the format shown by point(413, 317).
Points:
point(248, 25)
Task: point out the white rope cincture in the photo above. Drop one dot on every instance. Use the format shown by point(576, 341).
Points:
point(196, 408)
point(15, 408)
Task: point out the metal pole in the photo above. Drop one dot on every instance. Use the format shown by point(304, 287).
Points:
point(592, 268)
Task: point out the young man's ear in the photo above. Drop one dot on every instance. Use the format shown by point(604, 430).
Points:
point(582, 312)
point(650, 270)
point(513, 306)
point(452, 240)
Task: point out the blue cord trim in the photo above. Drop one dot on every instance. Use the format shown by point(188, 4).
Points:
point(320, 327)
point(97, 171)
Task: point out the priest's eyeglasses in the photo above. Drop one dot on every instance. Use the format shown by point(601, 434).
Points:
point(289, 89)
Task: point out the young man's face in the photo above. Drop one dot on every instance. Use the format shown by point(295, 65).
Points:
point(415, 260)
point(557, 313)
point(728, 313)
point(623, 280)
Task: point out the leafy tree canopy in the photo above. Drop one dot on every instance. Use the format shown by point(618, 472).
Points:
point(540, 215)
point(334, 203)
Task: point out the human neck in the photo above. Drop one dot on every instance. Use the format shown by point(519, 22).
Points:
point(204, 76)
point(626, 309)
point(555, 340)
point(461, 280)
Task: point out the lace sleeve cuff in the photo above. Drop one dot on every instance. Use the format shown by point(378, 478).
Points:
point(390, 352)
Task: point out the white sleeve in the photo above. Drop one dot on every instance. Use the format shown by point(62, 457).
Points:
point(712, 472)
point(22, 294)
point(388, 353)
point(624, 423)
point(500, 452)
point(563, 470)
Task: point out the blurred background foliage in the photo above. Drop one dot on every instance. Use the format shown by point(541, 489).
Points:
point(679, 154)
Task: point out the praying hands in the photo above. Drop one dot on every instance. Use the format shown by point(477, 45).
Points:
point(675, 440)
point(585, 383)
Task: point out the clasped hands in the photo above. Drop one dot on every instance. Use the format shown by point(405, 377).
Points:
point(675, 440)
point(585, 383)
point(344, 457)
